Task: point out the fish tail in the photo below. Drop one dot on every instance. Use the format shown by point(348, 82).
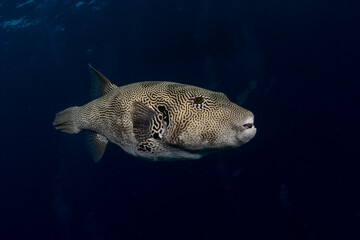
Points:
point(65, 121)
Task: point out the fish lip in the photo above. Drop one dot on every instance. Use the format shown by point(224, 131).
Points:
point(246, 133)
point(244, 124)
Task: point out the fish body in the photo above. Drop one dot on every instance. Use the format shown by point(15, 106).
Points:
point(158, 120)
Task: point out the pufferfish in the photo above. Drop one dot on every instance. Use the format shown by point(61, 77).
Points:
point(157, 120)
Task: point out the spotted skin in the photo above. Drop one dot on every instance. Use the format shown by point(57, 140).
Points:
point(162, 120)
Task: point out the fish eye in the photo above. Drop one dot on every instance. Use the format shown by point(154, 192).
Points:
point(199, 100)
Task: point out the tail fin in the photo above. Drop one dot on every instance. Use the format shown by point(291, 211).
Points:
point(65, 121)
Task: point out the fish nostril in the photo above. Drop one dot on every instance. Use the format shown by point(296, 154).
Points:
point(248, 125)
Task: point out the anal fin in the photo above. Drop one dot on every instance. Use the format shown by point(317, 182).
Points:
point(96, 144)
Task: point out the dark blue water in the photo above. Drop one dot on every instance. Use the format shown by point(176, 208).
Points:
point(294, 64)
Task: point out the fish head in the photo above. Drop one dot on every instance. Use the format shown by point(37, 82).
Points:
point(205, 121)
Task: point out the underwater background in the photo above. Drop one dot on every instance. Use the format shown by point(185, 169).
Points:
point(294, 64)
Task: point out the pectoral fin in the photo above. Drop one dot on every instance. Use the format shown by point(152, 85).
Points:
point(96, 144)
point(141, 117)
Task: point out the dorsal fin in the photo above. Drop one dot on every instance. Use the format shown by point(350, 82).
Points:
point(100, 85)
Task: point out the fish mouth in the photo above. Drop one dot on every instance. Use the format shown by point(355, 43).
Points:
point(247, 130)
point(248, 123)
